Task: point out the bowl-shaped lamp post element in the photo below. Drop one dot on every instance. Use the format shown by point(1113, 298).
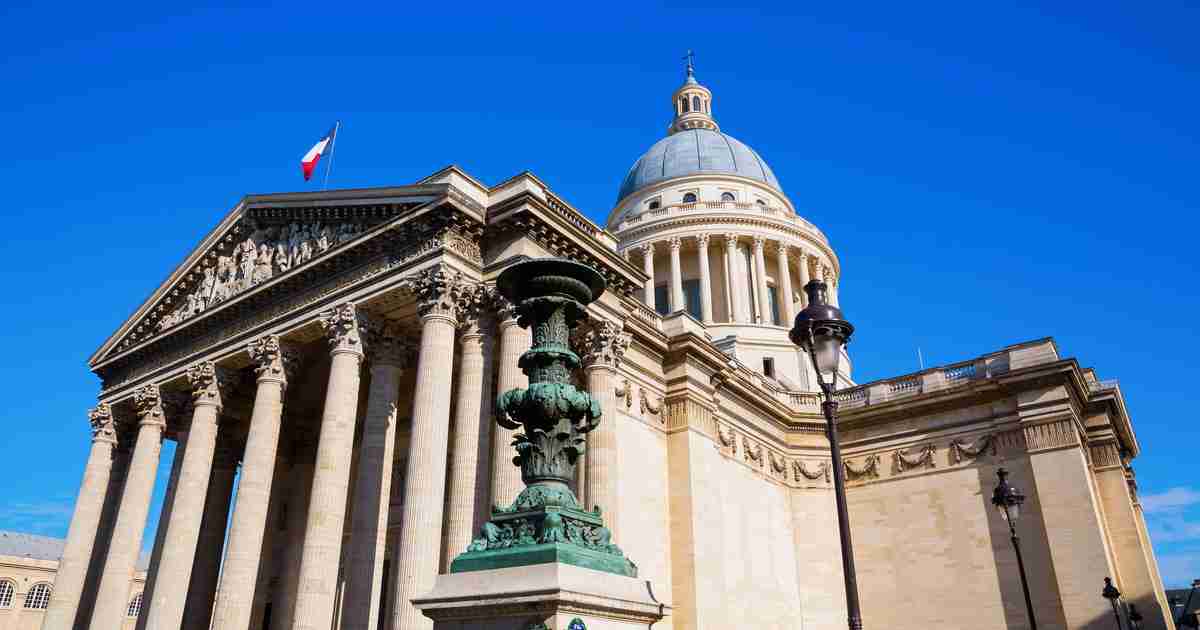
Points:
point(822, 331)
point(1008, 500)
point(1111, 593)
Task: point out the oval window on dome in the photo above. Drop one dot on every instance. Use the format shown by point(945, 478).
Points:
point(689, 198)
point(728, 196)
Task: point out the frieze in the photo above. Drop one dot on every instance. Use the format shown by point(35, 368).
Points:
point(1106, 455)
point(397, 248)
point(1058, 434)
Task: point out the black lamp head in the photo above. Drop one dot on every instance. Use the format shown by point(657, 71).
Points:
point(1110, 592)
point(819, 318)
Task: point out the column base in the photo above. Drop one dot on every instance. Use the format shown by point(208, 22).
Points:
point(541, 597)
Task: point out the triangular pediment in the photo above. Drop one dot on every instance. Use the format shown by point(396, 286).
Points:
point(263, 239)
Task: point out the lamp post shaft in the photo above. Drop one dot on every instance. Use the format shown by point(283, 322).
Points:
point(1024, 583)
point(853, 614)
point(1117, 615)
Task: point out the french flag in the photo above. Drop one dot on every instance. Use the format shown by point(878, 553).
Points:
point(310, 159)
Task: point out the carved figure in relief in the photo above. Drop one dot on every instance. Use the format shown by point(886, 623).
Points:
point(294, 238)
point(248, 254)
point(208, 284)
point(262, 266)
point(283, 257)
point(324, 238)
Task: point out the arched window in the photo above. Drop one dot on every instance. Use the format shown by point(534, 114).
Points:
point(683, 103)
point(728, 196)
point(655, 204)
point(38, 597)
point(696, 103)
point(135, 606)
point(6, 593)
point(689, 198)
point(760, 202)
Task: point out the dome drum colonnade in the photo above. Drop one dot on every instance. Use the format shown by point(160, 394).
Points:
point(729, 295)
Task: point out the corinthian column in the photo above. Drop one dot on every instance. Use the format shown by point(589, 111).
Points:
point(176, 405)
point(439, 295)
point(197, 612)
point(785, 285)
point(85, 522)
point(802, 263)
point(648, 268)
point(514, 340)
point(389, 354)
point(601, 344)
point(760, 280)
point(187, 509)
point(239, 576)
point(472, 439)
point(131, 517)
point(705, 280)
point(677, 302)
point(320, 556)
point(736, 292)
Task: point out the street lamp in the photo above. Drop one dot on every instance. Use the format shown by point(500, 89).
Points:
point(1111, 593)
point(1135, 617)
point(1182, 620)
point(1008, 500)
point(822, 332)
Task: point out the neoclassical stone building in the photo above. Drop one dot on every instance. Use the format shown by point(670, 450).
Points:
point(343, 350)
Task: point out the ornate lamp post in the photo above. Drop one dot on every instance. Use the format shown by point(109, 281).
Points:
point(1182, 620)
point(1111, 593)
point(1135, 617)
point(1008, 500)
point(546, 523)
point(822, 332)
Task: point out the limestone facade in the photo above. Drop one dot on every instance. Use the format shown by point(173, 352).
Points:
point(344, 349)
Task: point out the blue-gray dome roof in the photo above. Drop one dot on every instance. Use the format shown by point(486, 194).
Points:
point(692, 152)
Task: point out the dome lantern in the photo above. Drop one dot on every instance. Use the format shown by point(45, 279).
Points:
point(692, 103)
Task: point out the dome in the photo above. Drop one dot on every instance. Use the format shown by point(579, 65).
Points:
point(695, 152)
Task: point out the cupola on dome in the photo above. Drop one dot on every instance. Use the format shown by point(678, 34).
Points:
point(695, 146)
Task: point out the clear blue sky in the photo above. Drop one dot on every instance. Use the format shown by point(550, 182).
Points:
point(987, 174)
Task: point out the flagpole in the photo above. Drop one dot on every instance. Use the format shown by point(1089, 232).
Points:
point(337, 126)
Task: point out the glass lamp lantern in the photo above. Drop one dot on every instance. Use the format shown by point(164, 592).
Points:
point(1007, 498)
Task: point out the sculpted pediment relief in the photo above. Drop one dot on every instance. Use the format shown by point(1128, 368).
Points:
point(257, 243)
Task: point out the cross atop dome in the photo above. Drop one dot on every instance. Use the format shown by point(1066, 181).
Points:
point(692, 102)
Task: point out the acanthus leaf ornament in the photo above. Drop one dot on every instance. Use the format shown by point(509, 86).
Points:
point(147, 401)
point(343, 328)
point(601, 342)
point(441, 292)
point(210, 384)
point(272, 359)
point(100, 418)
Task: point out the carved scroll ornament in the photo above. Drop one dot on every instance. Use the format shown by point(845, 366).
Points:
point(869, 468)
point(961, 450)
point(906, 460)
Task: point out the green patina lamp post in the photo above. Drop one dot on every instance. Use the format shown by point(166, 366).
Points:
point(546, 523)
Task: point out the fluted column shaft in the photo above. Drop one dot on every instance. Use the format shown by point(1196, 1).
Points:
point(677, 302)
point(733, 282)
point(131, 518)
point(160, 533)
point(760, 279)
point(321, 554)
point(388, 355)
point(187, 509)
point(239, 576)
point(197, 611)
point(785, 286)
point(85, 523)
point(648, 268)
point(802, 263)
point(425, 479)
point(705, 280)
point(468, 493)
point(299, 489)
point(514, 340)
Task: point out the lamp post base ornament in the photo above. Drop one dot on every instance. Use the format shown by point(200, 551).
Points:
point(546, 523)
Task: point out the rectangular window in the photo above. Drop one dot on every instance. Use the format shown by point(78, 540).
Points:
point(769, 367)
point(773, 298)
point(661, 302)
point(691, 295)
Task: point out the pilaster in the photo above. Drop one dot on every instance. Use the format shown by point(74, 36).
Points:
point(602, 345)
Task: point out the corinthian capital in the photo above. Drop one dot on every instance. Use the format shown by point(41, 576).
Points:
point(147, 401)
point(343, 329)
point(505, 310)
point(675, 242)
point(647, 248)
point(272, 359)
point(731, 241)
point(781, 248)
point(759, 241)
point(600, 342)
point(441, 293)
point(208, 383)
point(702, 240)
point(103, 428)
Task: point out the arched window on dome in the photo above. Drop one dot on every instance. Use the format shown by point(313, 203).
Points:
point(689, 198)
point(683, 104)
point(135, 606)
point(38, 597)
point(654, 204)
point(7, 588)
point(760, 202)
point(728, 196)
point(696, 103)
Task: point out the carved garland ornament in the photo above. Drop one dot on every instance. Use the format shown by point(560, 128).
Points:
point(625, 390)
point(727, 437)
point(923, 458)
point(961, 450)
point(869, 468)
point(752, 451)
point(800, 469)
